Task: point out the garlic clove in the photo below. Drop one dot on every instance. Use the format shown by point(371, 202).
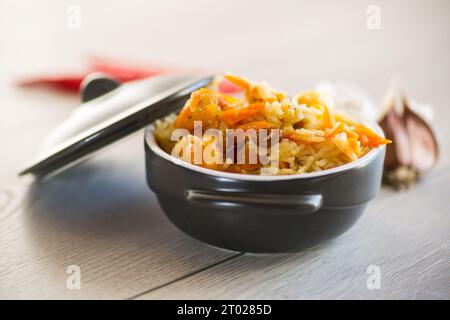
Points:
point(398, 151)
point(425, 111)
point(424, 148)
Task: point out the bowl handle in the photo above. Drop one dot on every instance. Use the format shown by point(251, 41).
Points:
point(304, 203)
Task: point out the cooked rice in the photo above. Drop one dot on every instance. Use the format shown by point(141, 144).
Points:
point(312, 138)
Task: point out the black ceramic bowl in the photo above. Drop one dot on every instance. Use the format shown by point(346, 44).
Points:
point(262, 214)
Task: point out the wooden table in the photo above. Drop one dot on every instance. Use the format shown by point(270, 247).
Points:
point(101, 217)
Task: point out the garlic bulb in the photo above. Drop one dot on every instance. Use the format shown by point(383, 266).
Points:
point(414, 149)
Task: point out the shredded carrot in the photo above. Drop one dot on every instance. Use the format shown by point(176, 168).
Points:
point(229, 99)
point(257, 125)
point(203, 105)
point(183, 117)
point(369, 138)
point(234, 115)
point(351, 134)
point(338, 128)
point(240, 82)
point(354, 145)
point(328, 118)
point(223, 103)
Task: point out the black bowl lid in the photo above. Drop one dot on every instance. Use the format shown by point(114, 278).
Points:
point(122, 110)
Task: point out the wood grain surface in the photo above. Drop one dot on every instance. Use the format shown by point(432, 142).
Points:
point(102, 217)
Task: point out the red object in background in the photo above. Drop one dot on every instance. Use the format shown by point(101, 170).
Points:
point(72, 82)
point(118, 71)
point(226, 86)
point(69, 83)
